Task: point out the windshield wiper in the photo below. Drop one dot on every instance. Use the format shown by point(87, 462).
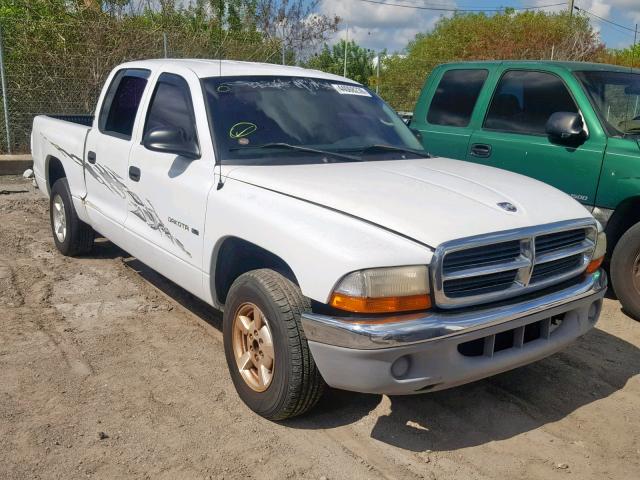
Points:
point(393, 148)
point(300, 148)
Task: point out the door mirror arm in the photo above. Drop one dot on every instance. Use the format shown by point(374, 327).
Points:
point(171, 140)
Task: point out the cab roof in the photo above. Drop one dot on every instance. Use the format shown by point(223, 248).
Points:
point(570, 66)
point(222, 68)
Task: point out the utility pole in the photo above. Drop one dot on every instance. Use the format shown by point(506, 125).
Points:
point(283, 44)
point(571, 2)
point(633, 50)
point(346, 42)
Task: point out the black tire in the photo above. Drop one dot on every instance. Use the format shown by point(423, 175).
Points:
point(79, 236)
point(296, 384)
point(625, 273)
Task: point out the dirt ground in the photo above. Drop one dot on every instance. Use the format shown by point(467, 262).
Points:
point(108, 370)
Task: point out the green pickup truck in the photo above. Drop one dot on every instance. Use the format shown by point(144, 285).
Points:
point(573, 125)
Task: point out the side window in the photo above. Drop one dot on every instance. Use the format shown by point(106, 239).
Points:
point(171, 106)
point(455, 97)
point(524, 101)
point(121, 102)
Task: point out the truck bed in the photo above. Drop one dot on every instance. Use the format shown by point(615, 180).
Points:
point(81, 119)
point(60, 138)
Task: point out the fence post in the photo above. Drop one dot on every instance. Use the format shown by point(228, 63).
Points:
point(378, 73)
point(164, 43)
point(5, 95)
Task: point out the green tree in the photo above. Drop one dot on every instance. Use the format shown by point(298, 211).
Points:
point(331, 60)
point(629, 57)
point(477, 36)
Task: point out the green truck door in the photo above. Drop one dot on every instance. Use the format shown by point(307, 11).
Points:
point(512, 135)
point(444, 109)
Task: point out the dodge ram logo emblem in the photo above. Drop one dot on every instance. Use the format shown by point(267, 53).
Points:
point(509, 207)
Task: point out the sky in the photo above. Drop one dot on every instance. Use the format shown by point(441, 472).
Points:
point(378, 26)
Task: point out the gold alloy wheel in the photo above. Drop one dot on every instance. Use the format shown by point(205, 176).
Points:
point(253, 347)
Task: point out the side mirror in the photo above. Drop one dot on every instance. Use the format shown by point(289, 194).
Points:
point(171, 140)
point(565, 127)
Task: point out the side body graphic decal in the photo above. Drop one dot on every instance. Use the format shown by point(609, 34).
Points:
point(143, 209)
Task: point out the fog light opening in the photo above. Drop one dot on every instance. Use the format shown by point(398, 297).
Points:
point(400, 367)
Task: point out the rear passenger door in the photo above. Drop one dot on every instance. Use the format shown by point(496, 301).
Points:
point(445, 108)
point(107, 152)
point(512, 135)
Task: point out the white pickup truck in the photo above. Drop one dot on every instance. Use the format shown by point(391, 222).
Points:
point(302, 206)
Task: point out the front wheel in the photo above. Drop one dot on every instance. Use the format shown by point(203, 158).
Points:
point(625, 271)
point(267, 353)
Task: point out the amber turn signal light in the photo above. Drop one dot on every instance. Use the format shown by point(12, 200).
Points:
point(594, 265)
point(381, 304)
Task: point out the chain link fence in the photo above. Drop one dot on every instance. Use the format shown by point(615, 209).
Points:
point(59, 67)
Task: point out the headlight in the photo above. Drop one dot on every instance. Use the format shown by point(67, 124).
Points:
point(598, 253)
point(381, 290)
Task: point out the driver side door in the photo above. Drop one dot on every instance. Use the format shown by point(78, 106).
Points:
point(513, 136)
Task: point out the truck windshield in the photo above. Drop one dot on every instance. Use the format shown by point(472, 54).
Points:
point(616, 98)
point(288, 120)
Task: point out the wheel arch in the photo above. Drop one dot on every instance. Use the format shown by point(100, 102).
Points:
point(234, 256)
point(54, 170)
point(625, 216)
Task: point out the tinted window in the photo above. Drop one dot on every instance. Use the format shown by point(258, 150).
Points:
point(455, 97)
point(524, 101)
point(171, 106)
point(122, 101)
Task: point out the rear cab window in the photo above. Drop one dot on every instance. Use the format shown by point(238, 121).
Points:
point(121, 103)
point(456, 96)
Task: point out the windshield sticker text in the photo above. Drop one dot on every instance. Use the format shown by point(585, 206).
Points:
point(350, 90)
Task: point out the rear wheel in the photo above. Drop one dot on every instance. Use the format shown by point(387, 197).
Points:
point(267, 353)
point(71, 235)
point(625, 271)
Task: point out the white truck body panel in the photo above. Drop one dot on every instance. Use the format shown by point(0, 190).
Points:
point(410, 196)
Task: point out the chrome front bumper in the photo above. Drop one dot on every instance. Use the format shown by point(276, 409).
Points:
point(415, 328)
point(419, 352)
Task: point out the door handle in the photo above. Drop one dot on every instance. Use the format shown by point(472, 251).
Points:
point(134, 174)
point(91, 157)
point(481, 150)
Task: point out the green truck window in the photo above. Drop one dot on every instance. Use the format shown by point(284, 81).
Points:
point(455, 97)
point(524, 101)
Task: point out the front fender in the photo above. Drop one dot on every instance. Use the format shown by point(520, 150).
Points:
point(320, 245)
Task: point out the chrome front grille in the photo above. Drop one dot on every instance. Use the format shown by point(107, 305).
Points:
point(497, 266)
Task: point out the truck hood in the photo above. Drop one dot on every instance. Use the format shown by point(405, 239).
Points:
point(429, 200)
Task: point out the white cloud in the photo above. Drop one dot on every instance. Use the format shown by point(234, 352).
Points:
point(630, 10)
point(377, 26)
